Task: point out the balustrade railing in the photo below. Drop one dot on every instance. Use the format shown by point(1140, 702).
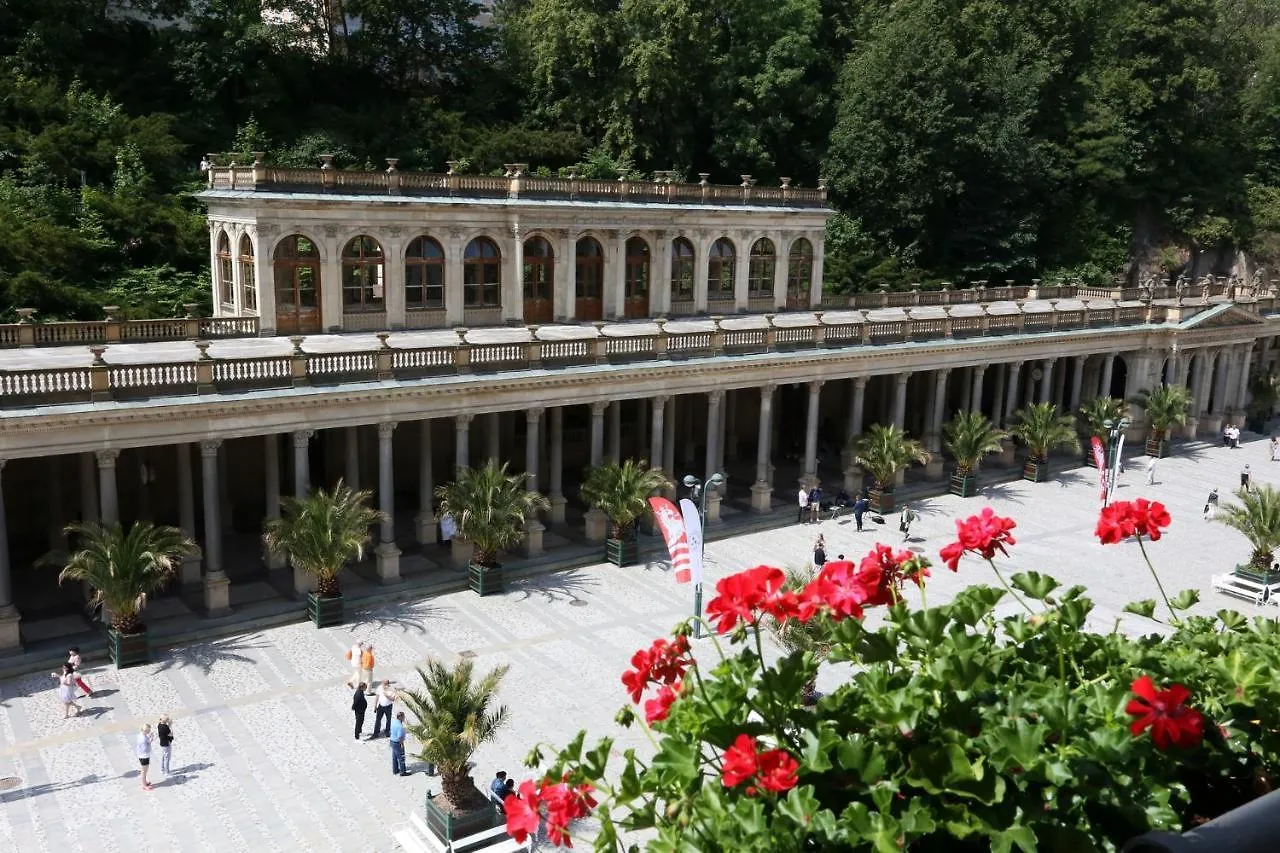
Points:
point(116, 329)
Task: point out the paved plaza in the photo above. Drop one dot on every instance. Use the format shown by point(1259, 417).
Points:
point(264, 757)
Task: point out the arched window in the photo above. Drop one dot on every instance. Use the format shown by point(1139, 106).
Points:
point(681, 270)
point(423, 275)
point(226, 283)
point(362, 280)
point(589, 275)
point(296, 264)
point(248, 276)
point(720, 269)
point(482, 274)
point(539, 268)
point(800, 269)
point(760, 271)
point(637, 282)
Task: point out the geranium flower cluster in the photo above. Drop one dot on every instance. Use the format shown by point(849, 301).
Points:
point(982, 534)
point(1165, 712)
point(773, 770)
point(663, 663)
point(564, 803)
point(1124, 519)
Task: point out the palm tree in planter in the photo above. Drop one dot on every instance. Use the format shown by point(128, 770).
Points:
point(491, 508)
point(1043, 430)
point(1257, 516)
point(793, 635)
point(969, 436)
point(1166, 407)
point(883, 452)
point(1096, 413)
point(622, 493)
point(455, 713)
point(123, 568)
point(320, 533)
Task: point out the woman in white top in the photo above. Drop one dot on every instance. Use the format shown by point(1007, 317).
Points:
point(143, 751)
point(67, 690)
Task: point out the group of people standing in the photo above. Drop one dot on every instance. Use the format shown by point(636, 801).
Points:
point(164, 735)
point(361, 657)
point(69, 678)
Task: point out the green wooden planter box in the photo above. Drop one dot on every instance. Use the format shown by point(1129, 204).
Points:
point(622, 552)
point(485, 580)
point(1158, 449)
point(128, 649)
point(965, 486)
point(1257, 577)
point(881, 501)
point(324, 611)
point(448, 827)
point(1036, 472)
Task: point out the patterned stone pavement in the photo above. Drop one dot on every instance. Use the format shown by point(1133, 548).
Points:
point(264, 758)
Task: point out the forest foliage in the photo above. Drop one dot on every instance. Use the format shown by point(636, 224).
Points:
point(963, 139)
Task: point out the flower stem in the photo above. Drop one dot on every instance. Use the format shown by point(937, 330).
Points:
point(991, 562)
point(1173, 615)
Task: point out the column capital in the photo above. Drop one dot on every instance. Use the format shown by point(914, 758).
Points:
point(532, 416)
point(2, 461)
point(943, 372)
point(661, 399)
point(767, 391)
point(107, 458)
point(386, 428)
point(816, 385)
point(209, 447)
point(598, 408)
point(860, 382)
point(902, 378)
point(979, 369)
point(716, 397)
point(302, 437)
point(463, 421)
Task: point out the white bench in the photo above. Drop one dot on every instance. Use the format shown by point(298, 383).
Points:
point(1247, 589)
point(416, 837)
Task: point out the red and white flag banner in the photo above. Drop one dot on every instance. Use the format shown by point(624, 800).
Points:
point(693, 531)
point(671, 523)
point(1100, 459)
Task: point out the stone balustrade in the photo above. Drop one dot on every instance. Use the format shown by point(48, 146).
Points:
point(620, 343)
point(116, 329)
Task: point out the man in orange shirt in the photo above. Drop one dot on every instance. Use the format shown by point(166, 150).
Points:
point(366, 667)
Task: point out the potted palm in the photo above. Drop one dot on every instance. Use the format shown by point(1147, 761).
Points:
point(1166, 407)
point(1043, 430)
point(490, 508)
point(969, 436)
point(455, 713)
point(1096, 413)
point(884, 452)
point(812, 637)
point(123, 568)
point(1257, 516)
point(320, 533)
point(621, 491)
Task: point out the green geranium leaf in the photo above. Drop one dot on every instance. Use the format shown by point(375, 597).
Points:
point(1232, 620)
point(1185, 600)
point(800, 805)
point(1146, 607)
point(858, 755)
point(677, 761)
point(879, 829)
point(925, 625)
point(1034, 584)
point(1018, 628)
point(818, 748)
point(1021, 835)
point(1019, 746)
point(975, 603)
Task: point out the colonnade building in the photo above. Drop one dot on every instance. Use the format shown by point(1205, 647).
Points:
point(387, 328)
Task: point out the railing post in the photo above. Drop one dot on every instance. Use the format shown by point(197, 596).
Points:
point(704, 184)
point(451, 176)
point(984, 321)
point(866, 328)
point(770, 333)
point(26, 329)
point(298, 363)
point(717, 336)
point(1053, 313)
point(906, 326)
point(384, 356)
point(660, 341)
point(819, 331)
point(1084, 314)
point(462, 353)
point(915, 294)
point(1021, 321)
point(599, 346)
point(191, 321)
point(326, 172)
point(533, 349)
point(114, 333)
point(204, 369)
point(393, 176)
point(1115, 315)
point(259, 169)
point(946, 322)
point(99, 376)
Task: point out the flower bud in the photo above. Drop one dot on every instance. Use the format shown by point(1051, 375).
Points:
point(684, 629)
point(625, 717)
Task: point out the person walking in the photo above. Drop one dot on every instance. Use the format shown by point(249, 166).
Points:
point(382, 710)
point(359, 705)
point(397, 746)
point(820, 552)
point(164, 734)
point(1235, 437)
point(353, 655)
point(1244, 479)
point(366, 666)
point(73, 658)
point(67, 690)
point(803, 501)
point(860, 509)
point(498, 784)
point(1151, 470)
point(1275, 448)
point(1226, 435)
point(1211, 506)
point(905, 518)
point(815, 504)
point(143, 750)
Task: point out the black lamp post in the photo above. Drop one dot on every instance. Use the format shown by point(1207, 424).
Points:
point(698, 491)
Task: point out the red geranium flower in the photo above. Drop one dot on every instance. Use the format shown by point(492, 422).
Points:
point(773, 770)
point(658, 709)
point(1171, 722)
point(740, 761)
point(1123, 519)
point(664, 662)
point(522, 811)
point(743, 596)
point(837, 589)
point(778, 771)
point(884, 571)
point(982, 534)
point(565, 803)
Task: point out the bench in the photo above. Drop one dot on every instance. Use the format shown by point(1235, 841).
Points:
point(1247, 588)
point(416, 837)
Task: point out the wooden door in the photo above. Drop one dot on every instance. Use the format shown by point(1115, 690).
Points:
point(298, 299)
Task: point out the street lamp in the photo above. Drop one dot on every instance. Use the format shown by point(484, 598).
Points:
point(698, 491)
point(1115, 434)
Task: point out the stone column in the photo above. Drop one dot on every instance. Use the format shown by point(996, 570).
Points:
point(975, 395)
point(596, 521)
point(809, 476)
point(1059, 397)
point(388, 555)
point(715, 402)
point(729, 447)
point(302, 462)
point(424, 523)
point(453, 262)
point(997, 403)
point(532, 527)
point(217, 588)
point(10, 621)
point(741, 272)
point(615, 432)
point(462, 442)
point(88, 489)
point(762, 488)
point(271, 465)
point(1011, 398)
point(615, 276)
point(857, 406)
point(189, 573)
point(1108, 365)
point(900, 400)
point(107, 496)
point(556, 473)
point(722, 440)
point(1077, 377)
point(1046, 379)
point(1242, 392)
point(493, 436)
point(669, 444)
point(966, 389)
point(656, 425)
point(780, 267)
point(352, 447)
point(818, 241)
point(701, 254)
point(933, 470)
point(660, 284)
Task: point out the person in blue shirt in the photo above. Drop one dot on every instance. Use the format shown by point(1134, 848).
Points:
point(499, 784)
point(397, 746)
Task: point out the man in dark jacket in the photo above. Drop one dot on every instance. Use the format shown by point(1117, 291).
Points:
point(359, 704)
point(860, 507)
